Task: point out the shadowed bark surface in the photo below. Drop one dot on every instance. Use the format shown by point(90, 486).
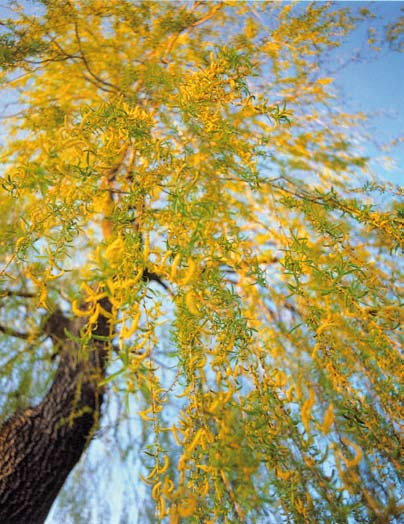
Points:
point(40, 445)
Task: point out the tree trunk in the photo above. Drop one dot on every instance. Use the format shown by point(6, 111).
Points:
point(41, 445)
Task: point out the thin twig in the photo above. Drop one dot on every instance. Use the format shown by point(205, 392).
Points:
point(16, 334)
point(13, 293)
point(173, 40)
point(8, 263)
point(108, 87)
point(229, 490)
point(150, 276)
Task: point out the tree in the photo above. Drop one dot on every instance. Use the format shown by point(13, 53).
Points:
point(51, 436)
point(188, 228)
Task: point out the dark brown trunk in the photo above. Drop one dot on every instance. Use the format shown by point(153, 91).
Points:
point(41, 445)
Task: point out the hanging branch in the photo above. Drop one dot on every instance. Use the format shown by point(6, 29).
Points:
point(189, 28)
point(104, 85)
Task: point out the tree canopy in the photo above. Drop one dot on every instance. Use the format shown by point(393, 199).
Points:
point(191, 163)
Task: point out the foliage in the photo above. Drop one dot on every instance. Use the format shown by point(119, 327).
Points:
point(191, 160)
point(395, 33)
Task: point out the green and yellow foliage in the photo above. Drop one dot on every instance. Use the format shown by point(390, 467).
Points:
point(192, 162)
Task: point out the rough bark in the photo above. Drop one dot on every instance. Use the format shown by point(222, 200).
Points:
point(40, 445)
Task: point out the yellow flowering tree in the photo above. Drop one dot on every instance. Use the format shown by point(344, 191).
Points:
point(182, 172)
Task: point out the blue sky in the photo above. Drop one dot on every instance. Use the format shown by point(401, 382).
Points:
point(374, 84)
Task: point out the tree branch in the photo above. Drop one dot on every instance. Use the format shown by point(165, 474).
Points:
point(17, 334)
point(16, 293)
point(200, 21)
point(102, 84)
